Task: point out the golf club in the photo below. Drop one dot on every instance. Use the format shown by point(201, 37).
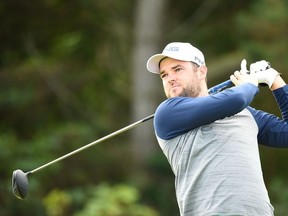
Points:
point(20, 184)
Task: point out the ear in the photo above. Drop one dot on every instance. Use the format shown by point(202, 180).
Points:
point(202, 72)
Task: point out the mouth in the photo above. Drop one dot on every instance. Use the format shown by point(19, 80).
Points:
point(175, 90)
point(174, 87)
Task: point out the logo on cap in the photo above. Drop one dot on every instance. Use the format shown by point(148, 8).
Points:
point(198, 60)
point(175, 49)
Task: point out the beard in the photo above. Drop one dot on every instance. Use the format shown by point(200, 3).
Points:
point(191, 91)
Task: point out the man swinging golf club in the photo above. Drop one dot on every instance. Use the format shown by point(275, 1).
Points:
point(20, 183)
point(211, 141)
point(201, 161)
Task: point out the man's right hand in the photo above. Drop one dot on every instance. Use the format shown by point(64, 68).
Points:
point(240, 77)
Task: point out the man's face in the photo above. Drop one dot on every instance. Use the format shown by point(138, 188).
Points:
point(180, 78)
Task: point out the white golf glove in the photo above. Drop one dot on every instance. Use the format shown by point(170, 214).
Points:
point(264, 72)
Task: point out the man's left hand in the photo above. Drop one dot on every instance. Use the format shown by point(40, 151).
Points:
point(264, 72)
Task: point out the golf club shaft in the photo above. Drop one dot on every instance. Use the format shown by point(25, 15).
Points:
point(94, 143)
point(219, 87)
point(212, 90)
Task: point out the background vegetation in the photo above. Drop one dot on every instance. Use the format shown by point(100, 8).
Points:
point(66, 80)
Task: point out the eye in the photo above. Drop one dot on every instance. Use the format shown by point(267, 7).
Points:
point(178, 69)
point(163, 75)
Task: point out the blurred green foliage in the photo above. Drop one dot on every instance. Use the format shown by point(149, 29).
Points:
point(104, 199)
point(279, 195)
point(65, 80)
point(118, 200)
point(57, 203)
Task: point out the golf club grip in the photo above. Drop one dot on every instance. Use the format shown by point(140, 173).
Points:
point(219, 87)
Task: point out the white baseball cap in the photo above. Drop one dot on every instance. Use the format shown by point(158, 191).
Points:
point(176, 50)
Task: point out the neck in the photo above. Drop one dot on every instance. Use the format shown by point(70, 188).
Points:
point(204, 91)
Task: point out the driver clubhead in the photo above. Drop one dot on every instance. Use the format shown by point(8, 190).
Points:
point(20, 185)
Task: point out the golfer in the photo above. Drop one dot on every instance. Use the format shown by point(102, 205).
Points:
point(211, 141)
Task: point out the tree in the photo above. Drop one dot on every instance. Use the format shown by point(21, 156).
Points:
point(148, 28)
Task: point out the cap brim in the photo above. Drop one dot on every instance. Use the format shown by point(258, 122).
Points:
point(153, 63)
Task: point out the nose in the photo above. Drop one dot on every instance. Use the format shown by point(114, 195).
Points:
point(171, 79)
